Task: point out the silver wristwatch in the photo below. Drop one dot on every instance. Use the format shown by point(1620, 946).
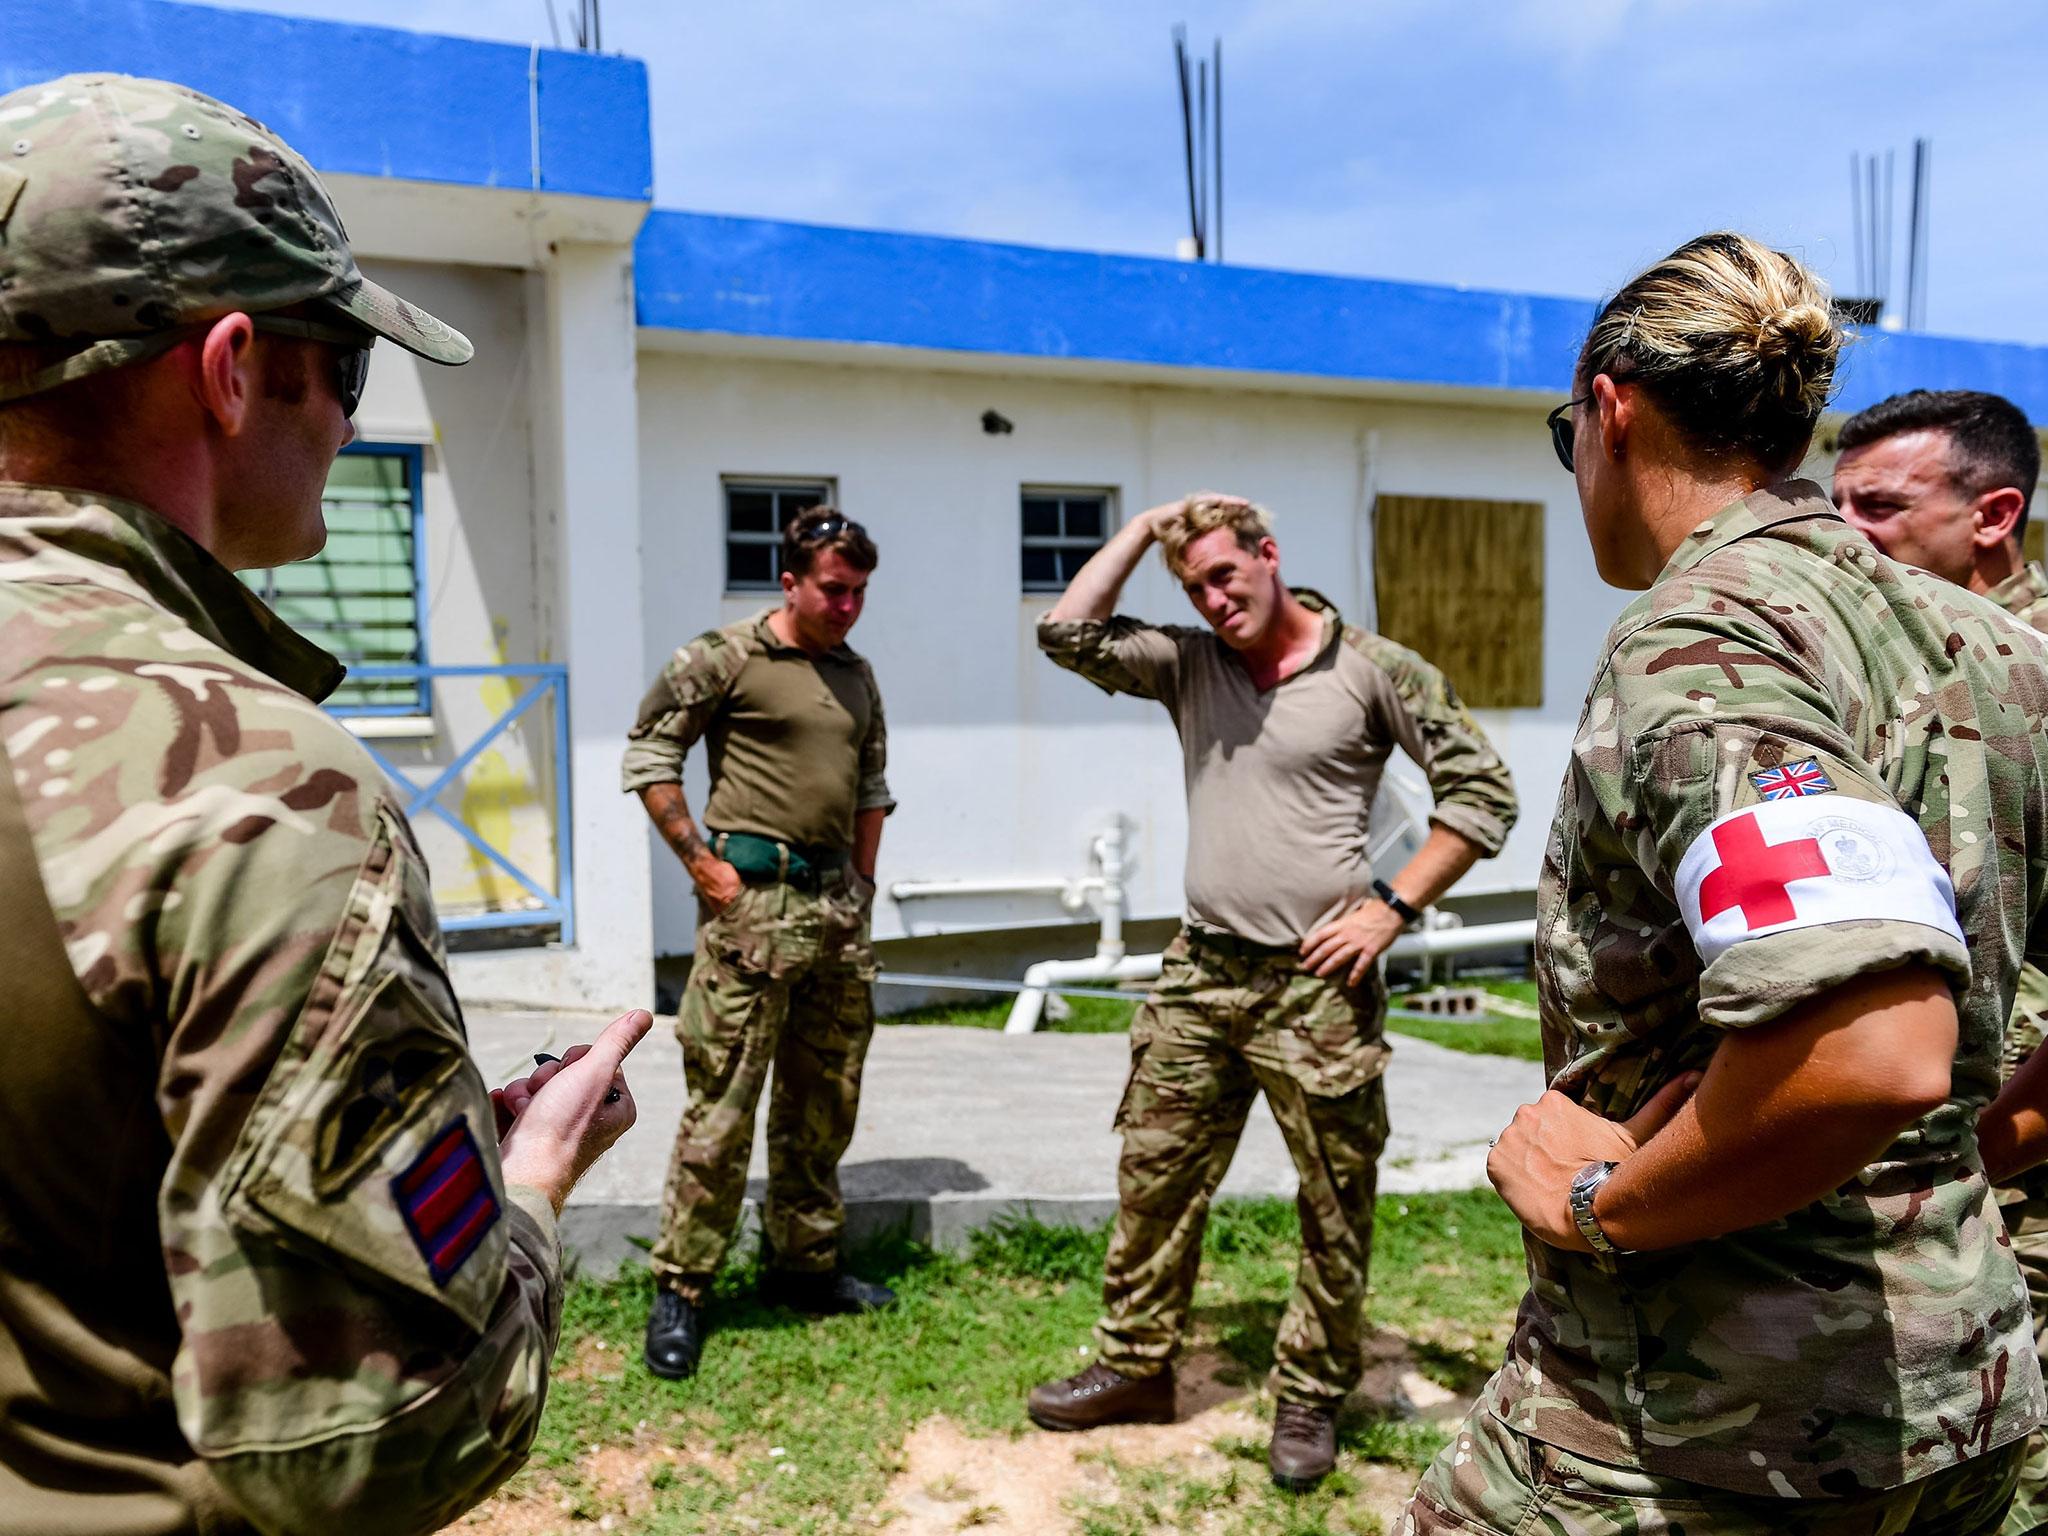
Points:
point(1585, 1185)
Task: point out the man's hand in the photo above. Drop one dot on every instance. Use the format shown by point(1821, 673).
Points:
point(1358, 939)
point(562, 1118)
point(716, 881)
point(1535, 1159)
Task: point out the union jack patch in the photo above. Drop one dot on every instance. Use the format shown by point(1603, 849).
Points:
point(1791, 780)
point(447, 1200)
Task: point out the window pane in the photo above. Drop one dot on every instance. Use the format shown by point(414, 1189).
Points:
point(358, 598)
point(1071, 561)
point(749, 565)
point(749, 511)
point(1084, 517)
point(1041, 570)
point(799, 498)
point(1041, 517)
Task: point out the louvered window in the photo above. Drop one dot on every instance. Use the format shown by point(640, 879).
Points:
point(360, 596)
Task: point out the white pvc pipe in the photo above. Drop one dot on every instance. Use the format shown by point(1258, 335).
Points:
point(909, 890)
point(1026, 1012)
point(1459, 941)
point(1030, 1004)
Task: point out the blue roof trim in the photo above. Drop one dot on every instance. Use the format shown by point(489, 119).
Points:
point(807, 282)
point(367, 101)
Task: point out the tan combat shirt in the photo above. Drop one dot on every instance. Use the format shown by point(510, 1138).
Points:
point(1806, 742)
point(258, 1263)
point(797, 742)
point(1280, 783)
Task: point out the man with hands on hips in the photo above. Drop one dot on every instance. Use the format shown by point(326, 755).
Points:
point(1286, 716)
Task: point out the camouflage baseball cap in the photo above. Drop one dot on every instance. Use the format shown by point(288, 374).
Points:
point(130, 208)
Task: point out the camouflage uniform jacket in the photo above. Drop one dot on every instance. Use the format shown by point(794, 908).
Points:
point(1880, 1334)
point(2024, 595)
point(259, 1266)
point(798, 744)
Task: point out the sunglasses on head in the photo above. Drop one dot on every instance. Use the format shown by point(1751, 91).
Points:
point(827, 528)
point(351, 352)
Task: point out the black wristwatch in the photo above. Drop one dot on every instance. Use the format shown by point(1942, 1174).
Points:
point(1392, 897)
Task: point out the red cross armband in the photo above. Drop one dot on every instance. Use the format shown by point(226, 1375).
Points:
point(1808, 859)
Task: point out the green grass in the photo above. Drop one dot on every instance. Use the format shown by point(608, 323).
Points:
point(1087, 1016)
point(1490, 1034)
point(972, 1335)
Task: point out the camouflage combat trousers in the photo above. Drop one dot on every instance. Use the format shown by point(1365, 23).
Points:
point(1227, 1020)
point(2029, 1223)
point(1492, 1481)
point(781, 978)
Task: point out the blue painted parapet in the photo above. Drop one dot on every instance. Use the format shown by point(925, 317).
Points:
point(773, 280)
point(368, 101)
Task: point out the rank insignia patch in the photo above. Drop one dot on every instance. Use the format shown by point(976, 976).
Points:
point(446, 1200)
point(1791, 780)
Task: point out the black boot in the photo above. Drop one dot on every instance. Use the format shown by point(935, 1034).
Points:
point(675, 1336)
point(825, 1293)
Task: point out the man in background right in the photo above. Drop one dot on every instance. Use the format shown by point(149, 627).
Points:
point(1942, 479)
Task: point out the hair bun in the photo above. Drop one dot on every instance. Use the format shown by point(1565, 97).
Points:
point(1797, 347)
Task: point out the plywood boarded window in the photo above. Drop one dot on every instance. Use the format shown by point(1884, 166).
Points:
point(1460, 581)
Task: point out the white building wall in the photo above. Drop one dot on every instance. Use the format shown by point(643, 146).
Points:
point(1003, 764)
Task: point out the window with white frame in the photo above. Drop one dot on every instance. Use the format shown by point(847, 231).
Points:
point(1062, 528)
point(360, 598)
point(756, 512)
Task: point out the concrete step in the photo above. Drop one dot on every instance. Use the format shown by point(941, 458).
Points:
point(959, 1127)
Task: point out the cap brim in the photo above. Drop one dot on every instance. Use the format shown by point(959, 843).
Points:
point(381, 310)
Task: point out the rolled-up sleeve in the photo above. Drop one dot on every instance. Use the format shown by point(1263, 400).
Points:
point(872, 793)
point(1474, 795)
point(678, 709)
point(1118, 655)
point(1716, 718)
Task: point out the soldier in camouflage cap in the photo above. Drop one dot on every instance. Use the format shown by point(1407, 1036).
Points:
point(791, 721)
point(1286, 716)
point(271, 1257)
point(1799, 857)
point(1943, 479)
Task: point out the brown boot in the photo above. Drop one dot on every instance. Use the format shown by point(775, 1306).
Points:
point(1100, 1395)
point(1304, 1445)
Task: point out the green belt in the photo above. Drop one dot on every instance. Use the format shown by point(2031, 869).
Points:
point(764, 861)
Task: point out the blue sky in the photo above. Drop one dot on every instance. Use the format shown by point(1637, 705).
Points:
point(1524, 144)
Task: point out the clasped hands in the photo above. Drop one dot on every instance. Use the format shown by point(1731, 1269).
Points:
point(1533, 1161)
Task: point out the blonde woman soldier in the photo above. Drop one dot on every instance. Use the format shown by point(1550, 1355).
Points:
point(1798, 860)
point(1286, 717)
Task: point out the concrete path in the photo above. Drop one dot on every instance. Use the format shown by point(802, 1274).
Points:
point(959, 1126)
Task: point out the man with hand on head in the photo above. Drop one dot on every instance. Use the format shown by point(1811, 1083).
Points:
point(792, 721)
point(1286, 717)
point(1943, 479)
point(265, 1261)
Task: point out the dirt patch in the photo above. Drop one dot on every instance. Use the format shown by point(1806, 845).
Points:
point(1034, 1481)
point(610, 1487)
point(1394, 1384)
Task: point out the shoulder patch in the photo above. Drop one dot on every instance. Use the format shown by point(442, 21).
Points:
point(1788, 781)
point(446, 1200)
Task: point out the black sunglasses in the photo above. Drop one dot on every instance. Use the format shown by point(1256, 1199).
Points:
point(1562, 431)
point(351, 353)
point(827, 528)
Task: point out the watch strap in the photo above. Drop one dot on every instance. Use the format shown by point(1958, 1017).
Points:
point(1406, 911)
point(1585, 1185)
